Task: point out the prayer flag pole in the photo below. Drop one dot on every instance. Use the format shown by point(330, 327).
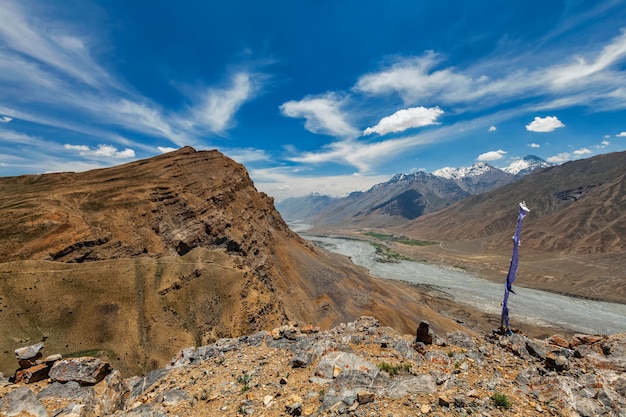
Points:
point(504, 320)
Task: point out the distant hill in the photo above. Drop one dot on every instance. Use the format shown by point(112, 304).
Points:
point(134, 262)
point(297, 208)
point(405, 196)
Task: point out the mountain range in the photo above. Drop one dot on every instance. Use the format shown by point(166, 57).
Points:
point(573, 239)
point(405, 196)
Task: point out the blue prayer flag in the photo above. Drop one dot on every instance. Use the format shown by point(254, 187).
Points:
point(523, 210)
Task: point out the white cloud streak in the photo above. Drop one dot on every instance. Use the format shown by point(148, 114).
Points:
point(323, 115)
point(406, 119)
point(621, 135)
point(544, 124)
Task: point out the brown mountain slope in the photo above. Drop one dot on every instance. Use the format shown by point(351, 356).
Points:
point(573, 240)
point(139, 260)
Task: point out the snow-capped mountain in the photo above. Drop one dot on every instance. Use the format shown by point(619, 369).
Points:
point(406, 196)
point(526, 165)
point(478, 169)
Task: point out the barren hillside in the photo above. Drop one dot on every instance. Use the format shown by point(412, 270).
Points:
point(134, 262)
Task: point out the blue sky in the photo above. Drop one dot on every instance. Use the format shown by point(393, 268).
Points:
point(310, 95)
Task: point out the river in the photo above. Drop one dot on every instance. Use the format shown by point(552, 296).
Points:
point(526, 305)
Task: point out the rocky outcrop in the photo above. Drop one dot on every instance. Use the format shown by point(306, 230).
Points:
point(358, 368)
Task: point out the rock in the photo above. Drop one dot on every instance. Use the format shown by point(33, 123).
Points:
point(462, 340)
point(425, 408)
point(444, 401)
point(85, 371)
point(419, 384)
point(558, 363)
point(33, 374)
point(29, 352)
point(423, 333)
point(437, 356)
point(310, 329)
point(172, 397)
point(114, 394)
point(333, 363)
point(146, 382)
point(301, 360)
point(71, 410)
point(364, 397)
point(22, 401)
point(559, 340)
point(53, 358)
point(536, 348)
point(27, 356)
point(293, 405)
point(70, 391)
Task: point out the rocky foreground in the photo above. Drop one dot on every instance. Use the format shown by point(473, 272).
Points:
point(355, 369)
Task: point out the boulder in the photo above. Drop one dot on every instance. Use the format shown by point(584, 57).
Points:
point(85, 370)
point(423, 333)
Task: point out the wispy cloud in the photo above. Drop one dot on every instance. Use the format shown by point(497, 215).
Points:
point(594, 80)
point(621, 135)
point(534, 145)
point(323, 115)
point(544, 124)
point(218, 105)
point(49, 75)
point(492, 128)
point(405, 119)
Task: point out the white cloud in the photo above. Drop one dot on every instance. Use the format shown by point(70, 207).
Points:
point(544, 124)
point(5, 119)
point(102, 151)
point(323, 115)
point(582, 151)
point(534, 145)
point(417, 78)
point(584, 68)
point(491, 155)
point(560, 158)
point(621, 135)
point(492, 128)
point(603, 144)
point(166, 149)
point(218, 106)
point(406, 119)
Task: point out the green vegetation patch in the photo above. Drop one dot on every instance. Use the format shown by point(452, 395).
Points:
point(387, 255)
point(400, 239)
point(501, 401)
point(394, 369)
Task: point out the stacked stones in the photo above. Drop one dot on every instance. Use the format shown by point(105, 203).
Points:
point(85, 370)
point(32, 367)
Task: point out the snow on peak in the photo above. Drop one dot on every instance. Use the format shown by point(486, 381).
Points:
point(526, 164)
point(479, 168)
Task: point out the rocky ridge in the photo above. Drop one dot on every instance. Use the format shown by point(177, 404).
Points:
point(358, 368)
